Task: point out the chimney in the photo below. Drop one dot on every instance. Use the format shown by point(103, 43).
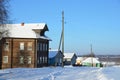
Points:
point(22, 24)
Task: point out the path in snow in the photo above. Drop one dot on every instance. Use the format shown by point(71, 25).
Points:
point(58, 73)
point(81, 73)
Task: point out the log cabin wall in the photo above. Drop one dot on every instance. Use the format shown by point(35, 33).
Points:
point(24, 53)
point(0, 54)
point(18, 57)
point(23, 50)
point(6, 53)
point(42, 52)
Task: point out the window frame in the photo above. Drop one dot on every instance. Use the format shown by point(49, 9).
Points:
point(5, 59)
point(6, 46)
point(46, 59)
point(41, 47)
point(22, 46)
point(46, 47)
point(29, 46)
point(29, 60)
point(21, 60)
point(40, 59)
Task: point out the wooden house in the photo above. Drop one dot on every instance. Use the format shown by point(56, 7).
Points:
point(70, 58)
point(25, 45)
point(55, 58)
point(92, 62)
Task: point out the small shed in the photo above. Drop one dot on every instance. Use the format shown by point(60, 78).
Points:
point(70, 58)
point(55, 58)
point(91, 61)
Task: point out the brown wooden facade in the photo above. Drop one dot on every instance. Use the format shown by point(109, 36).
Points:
point(23, 52)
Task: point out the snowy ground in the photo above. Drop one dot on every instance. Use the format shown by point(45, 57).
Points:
point(58, 73)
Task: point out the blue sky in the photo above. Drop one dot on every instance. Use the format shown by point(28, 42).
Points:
point(95, 22)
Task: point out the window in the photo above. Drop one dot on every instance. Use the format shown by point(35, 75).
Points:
point(21, 60)
point(6, 46)
point(29, 46)
point(68, 59)
point(45, 59)
point(60, 60)
point(43, 47)
point(40, 60)
point(40, 46)
point(46, 47)
point(5, 59)
point(22, 46)
point(29, 59)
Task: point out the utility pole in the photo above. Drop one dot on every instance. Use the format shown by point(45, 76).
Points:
point(91, 55)
point(62, 37)
point(91, 49)
point(62, 34)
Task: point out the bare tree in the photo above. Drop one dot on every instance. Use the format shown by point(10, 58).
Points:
point(3, 16)
point(3, 11)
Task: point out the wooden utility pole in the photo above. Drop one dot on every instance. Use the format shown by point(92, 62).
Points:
point(63, 32)
point(62, 37)
point(91, 55)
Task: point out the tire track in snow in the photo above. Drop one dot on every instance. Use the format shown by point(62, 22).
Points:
point(99, 74)
point(82, 73)
point(66, 73)
point(94, 74)
point(52, 75)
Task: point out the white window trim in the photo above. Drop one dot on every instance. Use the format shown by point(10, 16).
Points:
point(21, 60)
point(6, 46)
point(29, 60)
point(22, 45)
point(5, 59)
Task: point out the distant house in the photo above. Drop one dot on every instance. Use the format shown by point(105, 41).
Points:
point(70, 58)
point(55, 58)
point(25, 45)
point(91, 61)
point(79, 61)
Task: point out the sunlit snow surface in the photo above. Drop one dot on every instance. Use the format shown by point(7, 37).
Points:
point(59, 73)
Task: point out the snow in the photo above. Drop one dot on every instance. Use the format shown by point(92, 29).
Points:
point(68, 55)
point(80, 59)
point(21, 32)
point(61, 73)
point(27, 31)
point(90, 60)
point(30, 25)
point(52, 53)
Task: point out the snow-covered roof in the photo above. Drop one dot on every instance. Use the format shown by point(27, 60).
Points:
point(52, 53)
point(68, 55)
point(91, 60)
point(80, 58)
point(26, 30)
point(30, 25)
